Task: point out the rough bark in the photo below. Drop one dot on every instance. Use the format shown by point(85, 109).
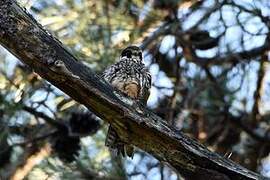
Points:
point(34, 46)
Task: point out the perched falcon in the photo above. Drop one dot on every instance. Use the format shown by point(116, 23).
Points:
point(130, 76)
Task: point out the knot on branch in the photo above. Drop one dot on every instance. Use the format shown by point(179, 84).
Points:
point(59, 67)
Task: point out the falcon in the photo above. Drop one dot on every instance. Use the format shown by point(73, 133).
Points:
point(130, 76)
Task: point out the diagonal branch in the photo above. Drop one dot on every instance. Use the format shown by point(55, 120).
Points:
point(26, 39)
point(48, 119)
point(228, 58)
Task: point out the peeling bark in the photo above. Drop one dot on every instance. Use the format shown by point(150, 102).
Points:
point(34, 46)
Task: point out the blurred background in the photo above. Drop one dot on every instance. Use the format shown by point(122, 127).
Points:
point(209, 62)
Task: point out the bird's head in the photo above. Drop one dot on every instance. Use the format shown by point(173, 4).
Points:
point(133, 53)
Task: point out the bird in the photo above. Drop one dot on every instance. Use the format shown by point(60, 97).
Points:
point(130, 76)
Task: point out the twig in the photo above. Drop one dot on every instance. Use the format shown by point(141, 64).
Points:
point(259, 89)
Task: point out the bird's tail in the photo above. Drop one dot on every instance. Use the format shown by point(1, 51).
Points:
point(116, 145)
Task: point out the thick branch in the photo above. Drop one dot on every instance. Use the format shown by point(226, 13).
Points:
point(27, 40)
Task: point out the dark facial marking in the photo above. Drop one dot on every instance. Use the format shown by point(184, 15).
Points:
point(132, 51)
point(140, 55)
point(127, 53)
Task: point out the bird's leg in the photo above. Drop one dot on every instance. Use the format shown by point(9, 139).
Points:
point(138, 106)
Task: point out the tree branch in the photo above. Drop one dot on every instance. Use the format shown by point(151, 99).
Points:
point(259, 89)
point(26, 39)
point(228, 58)
point(46, 118)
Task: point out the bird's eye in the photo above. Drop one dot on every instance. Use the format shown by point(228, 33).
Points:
point(140, 55)
point(127, 53)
